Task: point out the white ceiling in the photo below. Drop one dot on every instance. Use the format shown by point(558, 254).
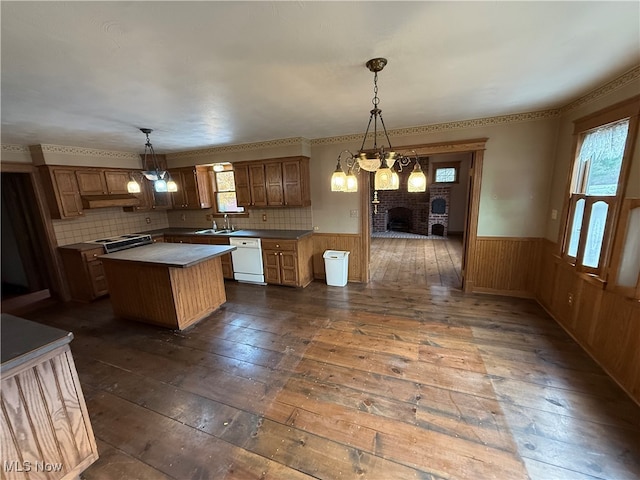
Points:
point(205, 74)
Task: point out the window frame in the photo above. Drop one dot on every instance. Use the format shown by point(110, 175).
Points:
point(628, 109)
point(439, 165)
point(628, 204)
point(214, 183)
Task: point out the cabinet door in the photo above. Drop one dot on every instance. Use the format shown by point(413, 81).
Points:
point(273, 184)
point(191, 194)
point(98, 279)
point(91, 182)
point(271, 264)
point(243, 188)
point(116, 181)
point(292, 183)
point(289, 269)
point(258, 185)
point(66, 193)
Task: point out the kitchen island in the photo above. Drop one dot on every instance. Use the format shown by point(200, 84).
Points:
point(167, 284)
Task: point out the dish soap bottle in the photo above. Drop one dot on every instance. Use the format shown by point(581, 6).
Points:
point(215, 225)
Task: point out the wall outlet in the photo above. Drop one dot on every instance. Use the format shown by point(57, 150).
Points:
point(147, 219)
point(554, 214)
point(183, 217)
point(316, 228)
point(354, 213)
point(264, 217)
point(570, 299)
point(209, 217)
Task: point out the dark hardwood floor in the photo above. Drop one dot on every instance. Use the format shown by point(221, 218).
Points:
point(391, 380)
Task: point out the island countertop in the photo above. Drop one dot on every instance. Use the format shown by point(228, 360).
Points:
point(175, 255)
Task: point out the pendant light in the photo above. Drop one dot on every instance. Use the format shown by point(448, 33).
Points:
point(380, 160)
point(161, 179)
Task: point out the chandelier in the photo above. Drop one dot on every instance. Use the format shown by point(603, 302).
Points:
point(377, 159)
point(161, 179)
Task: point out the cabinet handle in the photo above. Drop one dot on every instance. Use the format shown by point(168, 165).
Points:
point(280, 253)
point(95, 255)
point(277, 245)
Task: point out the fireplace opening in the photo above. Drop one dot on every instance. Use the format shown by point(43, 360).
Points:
point(437, 229)
point(399, 219)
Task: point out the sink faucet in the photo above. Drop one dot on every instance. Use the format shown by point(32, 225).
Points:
point(226, 221)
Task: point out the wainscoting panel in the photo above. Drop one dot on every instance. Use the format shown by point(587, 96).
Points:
point(503, 265)
point(338, 241)
point(604, 323)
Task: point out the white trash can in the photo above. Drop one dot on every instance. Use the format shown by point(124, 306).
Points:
point(336, 266)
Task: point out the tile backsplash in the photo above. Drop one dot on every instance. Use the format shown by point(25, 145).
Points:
point(259, 218)
point(106, 222)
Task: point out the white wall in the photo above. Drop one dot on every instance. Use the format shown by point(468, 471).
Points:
point(515, 179)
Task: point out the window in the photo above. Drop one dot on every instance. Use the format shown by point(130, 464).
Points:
point(602, 151)
point(226, 201)
point(446, 172)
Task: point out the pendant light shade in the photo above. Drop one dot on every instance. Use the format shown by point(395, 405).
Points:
point(352, 182)
point(338, 179)
point(417, 180)
point(384, 179)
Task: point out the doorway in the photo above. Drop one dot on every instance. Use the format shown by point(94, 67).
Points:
point(29, 276)
point(467, 203)
point(418, 236)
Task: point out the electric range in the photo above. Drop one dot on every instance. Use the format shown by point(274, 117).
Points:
point(122, 242)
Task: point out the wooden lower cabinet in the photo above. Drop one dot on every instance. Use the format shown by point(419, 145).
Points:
point(227, 263)
point(288, 262)
point(85, 273)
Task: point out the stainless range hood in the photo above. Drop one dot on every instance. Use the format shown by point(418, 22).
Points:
point(104, 201)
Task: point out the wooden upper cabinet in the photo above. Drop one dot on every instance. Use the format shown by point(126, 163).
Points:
point(295, 181)
point(273, 183)
point(194, 187)
point(243, 189)
point(98, 181)
point(91, 181)
point(62, 192)
point(258, 185)
point(116, 181)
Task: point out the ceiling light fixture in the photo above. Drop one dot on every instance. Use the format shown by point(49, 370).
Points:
point(161, 179)
point(377, 159)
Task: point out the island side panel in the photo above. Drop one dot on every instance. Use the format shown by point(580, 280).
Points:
point(141, 292)
point(198, 290)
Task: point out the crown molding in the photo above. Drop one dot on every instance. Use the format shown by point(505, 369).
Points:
point(87, 152)
point(443, 127)
point(631, 76)
point(283, 142)
point(9, 148)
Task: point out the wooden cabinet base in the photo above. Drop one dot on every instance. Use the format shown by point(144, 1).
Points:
point(166, 296)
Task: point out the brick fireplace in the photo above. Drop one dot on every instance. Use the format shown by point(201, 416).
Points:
point(438, 222)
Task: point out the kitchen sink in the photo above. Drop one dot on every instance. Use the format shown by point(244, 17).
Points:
point(211, 231)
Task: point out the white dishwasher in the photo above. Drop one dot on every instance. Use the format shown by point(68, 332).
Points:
point(247, 260)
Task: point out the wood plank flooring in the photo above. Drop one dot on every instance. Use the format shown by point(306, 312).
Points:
point(369, 381)
point(420, 262)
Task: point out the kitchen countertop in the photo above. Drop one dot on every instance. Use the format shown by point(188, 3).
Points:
point(246, 233)
point(175, 255)
point(23, 340)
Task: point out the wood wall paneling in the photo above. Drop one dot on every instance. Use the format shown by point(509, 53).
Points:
point(45, 429)
point(502, 265)
point(343, 242)
point(604, 323)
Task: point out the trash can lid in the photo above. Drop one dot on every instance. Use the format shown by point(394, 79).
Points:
point(335, 254)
